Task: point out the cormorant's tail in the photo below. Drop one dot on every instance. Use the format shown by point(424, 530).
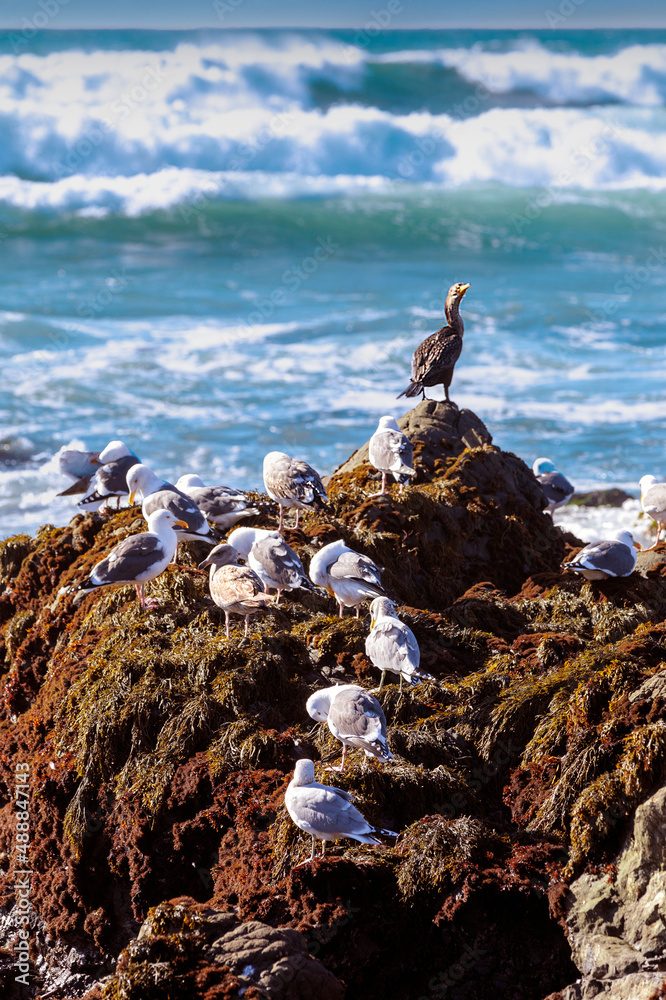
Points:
point(413, 389)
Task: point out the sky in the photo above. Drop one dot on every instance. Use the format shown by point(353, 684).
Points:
point(576, 14)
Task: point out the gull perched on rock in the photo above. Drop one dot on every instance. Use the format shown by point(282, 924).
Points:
point(326, 812)
point(354, 717)
point(347, 575)
point(236, 589)
point(391, 451)
point(272, 559)
point(653, 502)
point(610, 557)
point(110, 479)
point(391, 645)
point(158, 494)
point(292, 483)
point(139, 558)
point(556, 488)
point(221, 505)
point(77, 465)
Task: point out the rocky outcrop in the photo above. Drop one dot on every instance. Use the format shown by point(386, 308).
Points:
point(617, 923)
point(159, 752)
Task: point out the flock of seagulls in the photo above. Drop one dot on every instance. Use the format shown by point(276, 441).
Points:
point(252, 569)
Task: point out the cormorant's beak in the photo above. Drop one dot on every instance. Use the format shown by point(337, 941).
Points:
point(463, 288)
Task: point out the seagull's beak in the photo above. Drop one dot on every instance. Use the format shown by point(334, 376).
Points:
point(180, 524)
point(202, 565)
point(131, 497)
point(330, 590)
point(372, 622)
point(637, 545)
point(463, 288)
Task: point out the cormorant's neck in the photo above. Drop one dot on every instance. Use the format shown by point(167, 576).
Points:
point(453, 317)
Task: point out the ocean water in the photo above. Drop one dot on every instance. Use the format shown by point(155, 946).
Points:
point(220, 243)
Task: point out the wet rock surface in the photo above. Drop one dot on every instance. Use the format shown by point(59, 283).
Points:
point(158, 754)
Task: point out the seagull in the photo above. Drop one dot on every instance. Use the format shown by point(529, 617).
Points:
point(138, 558)
point(347, 575)
point(611, 557)
point(77, 465)
point(391, 645)
point(354, 717)
point(653, 502)
point(556, 488)
point(390, 450)
point(435, 357)
point(158, 494)
point(326, 812)
point(292, 483)
point(272, 559)
point(236, 589)
point(221, 505)
point(110, 479)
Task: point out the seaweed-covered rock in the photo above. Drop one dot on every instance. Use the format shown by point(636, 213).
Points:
point(159, 751)
point(186, 950)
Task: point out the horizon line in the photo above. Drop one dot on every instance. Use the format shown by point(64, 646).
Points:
point(331, 27)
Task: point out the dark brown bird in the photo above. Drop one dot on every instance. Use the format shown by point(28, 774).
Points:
point(435, 357)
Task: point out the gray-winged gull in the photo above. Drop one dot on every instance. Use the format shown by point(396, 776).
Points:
point(391, 451)
point(271, 558)
point(392, 646)
point(292, 483)
point(326, 812)
point(609, 557)
point(110, 479)
point(158, 494)
point(354, 717)
point(221, 505)
point(76, 464)
point(556, 488)
point(347, 575)
point(137, 559)
point(235, 589)
point(653, 502)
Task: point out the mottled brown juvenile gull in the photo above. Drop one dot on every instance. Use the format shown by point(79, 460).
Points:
point(221, 505)
point(347, 575)
point(158, 494)
point(272, 559)
point(139, 558)
point(391, 451)
point(610, 557)
point(392, 646)
point(556, 488)
point(435, 357)
point(354, 717)
point(292, 483)
point(110, 479)
point(236, 589)
point(326, 812)
point(653, 502)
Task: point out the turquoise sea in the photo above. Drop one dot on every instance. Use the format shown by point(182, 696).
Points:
point(220, 243)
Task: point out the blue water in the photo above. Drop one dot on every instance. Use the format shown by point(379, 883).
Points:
point(217, 244)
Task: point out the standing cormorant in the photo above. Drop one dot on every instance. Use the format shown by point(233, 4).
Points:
point(435, 357)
